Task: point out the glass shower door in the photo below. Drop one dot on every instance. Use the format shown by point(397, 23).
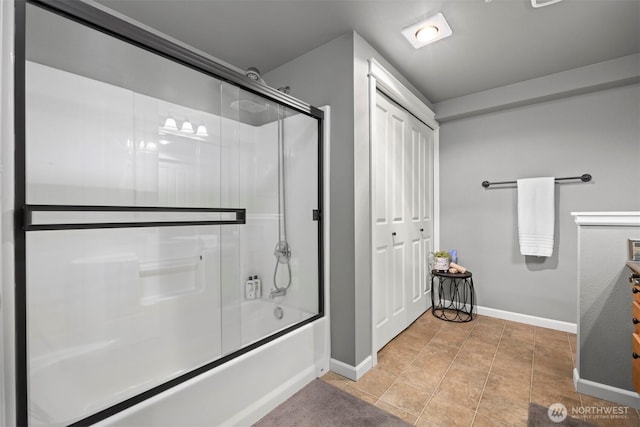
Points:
point(153, 191)
point(124, 220)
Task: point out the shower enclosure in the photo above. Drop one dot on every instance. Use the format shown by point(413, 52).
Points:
point(153, 186)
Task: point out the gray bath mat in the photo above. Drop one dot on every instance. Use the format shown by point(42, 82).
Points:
point(539, 417)
point(320, 404)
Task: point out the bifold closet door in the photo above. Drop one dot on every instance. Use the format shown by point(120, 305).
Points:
point(402, 206)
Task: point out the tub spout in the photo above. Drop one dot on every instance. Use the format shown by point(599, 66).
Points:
point(277, 292)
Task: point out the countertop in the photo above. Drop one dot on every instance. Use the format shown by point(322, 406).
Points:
point(634, 266)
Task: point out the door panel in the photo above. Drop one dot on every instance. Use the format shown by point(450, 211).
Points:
point(381, 269)
point(417, 186)
point(381, 178)
point(397, 287)
point(397, 167)
point(426, 177)
point(402, 200)
point(416, 270)
point(427, 248)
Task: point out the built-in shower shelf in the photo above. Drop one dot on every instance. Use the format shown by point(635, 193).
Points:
point(155, 268)
point(170, 278)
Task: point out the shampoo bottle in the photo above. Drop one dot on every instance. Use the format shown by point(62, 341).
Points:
point(249, 289)
point(257, 287)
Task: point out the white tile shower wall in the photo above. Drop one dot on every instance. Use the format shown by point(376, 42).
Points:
point(173, 171)
point(91, 123)
point(79, 121)
point(258, 193)
point(302, 198)
point(259, 183)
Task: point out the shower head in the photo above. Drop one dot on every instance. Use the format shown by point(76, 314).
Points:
point(254, 74)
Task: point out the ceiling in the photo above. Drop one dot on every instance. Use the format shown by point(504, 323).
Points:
point(494, 42)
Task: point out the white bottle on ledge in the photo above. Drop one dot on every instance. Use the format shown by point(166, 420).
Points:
point(257, 287)
point(249, 289)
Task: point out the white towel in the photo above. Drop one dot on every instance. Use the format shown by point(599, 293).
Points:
point(536, 215)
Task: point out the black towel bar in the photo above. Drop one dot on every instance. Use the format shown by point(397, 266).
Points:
point(584, 178)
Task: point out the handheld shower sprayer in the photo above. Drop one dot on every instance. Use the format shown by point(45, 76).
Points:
point(282, 251)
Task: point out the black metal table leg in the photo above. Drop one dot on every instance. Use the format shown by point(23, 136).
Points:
point(461, 303)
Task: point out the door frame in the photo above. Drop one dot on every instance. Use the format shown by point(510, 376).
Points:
point(380, 79)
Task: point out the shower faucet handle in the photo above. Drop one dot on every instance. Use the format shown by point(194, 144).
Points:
point(277, 292)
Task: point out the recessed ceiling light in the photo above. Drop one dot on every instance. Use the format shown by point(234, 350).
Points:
point(426, 34)
point(427, 31)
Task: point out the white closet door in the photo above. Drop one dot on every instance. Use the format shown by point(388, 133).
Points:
point(402, 197)
point(421, 227)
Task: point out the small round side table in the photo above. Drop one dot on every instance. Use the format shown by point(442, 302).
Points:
point(455, 296)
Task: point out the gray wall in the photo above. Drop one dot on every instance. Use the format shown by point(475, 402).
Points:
point(596, 133)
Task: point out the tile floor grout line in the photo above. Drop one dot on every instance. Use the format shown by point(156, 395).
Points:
point(444, 374)
point(533, 361)
point(397, 377)
point(433, 392)
point(486, 380)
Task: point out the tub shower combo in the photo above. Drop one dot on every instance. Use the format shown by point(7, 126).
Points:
point(154, 182)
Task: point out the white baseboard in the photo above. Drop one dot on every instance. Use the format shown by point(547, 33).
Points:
point(529, 320)
point(606, 392)
point(352, 372)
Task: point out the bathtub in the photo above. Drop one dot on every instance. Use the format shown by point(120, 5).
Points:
point(239, 392)
point(263, 317)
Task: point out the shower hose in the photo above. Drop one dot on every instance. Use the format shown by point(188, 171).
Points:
point(282, 251)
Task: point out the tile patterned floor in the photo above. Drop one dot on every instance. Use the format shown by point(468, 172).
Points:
point(481, 373)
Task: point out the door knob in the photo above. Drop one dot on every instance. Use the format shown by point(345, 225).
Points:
point(393, 234)
point(421, 230)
